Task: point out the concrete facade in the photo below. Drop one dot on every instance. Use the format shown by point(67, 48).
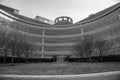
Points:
point(59, 40)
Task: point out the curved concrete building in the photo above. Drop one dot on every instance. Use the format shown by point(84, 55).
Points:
point(60, 38)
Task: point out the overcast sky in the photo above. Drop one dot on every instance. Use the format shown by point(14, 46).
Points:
point(76, 9)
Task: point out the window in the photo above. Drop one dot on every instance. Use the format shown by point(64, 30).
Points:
point(65, 19)
point(60, 19)
point(69, 20)
point(56, 20)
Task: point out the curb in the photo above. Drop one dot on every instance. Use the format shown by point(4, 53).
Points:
point(62, 76)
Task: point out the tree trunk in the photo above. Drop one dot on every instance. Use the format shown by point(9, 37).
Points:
point(18, 58)
point(101, 58)
point(5, 57)
point(26, 59)
point(12, 59)
point(90, 59)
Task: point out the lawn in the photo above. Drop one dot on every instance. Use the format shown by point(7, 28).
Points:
point(59, 68)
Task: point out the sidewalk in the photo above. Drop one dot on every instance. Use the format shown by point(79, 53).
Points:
point(115, 75)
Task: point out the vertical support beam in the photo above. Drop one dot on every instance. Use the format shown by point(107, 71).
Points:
point(115, 45)
point(119, 16)
point(82, 33)
point(6, 28)
point(43, 33)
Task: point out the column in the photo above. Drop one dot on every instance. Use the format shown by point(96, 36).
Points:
point(82, 33)
point(43, 44)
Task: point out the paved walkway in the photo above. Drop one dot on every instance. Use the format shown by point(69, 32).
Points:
point(115, 75)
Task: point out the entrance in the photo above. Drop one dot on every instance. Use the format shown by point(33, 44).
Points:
point(60, 59)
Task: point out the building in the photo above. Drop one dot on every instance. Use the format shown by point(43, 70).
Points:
point(59, 39)
point(45, 20)
point(9, 9)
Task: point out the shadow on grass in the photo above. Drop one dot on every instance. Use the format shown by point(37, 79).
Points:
point(8, 65)
point(11, 79)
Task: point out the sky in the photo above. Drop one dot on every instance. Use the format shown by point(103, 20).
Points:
point(51, 9)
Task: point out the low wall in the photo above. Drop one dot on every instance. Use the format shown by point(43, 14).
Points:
point(115, 75)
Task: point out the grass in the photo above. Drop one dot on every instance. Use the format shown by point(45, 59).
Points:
point(59, 68)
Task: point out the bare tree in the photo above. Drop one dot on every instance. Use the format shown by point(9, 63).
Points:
point(15, 41)
point(103, 46)
point(28, 49)
point(4, 44)
point(85, 47)
point(79, 49)
point(13, 50)
point(19, 46)
point(19, 49)
point(15, 44)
